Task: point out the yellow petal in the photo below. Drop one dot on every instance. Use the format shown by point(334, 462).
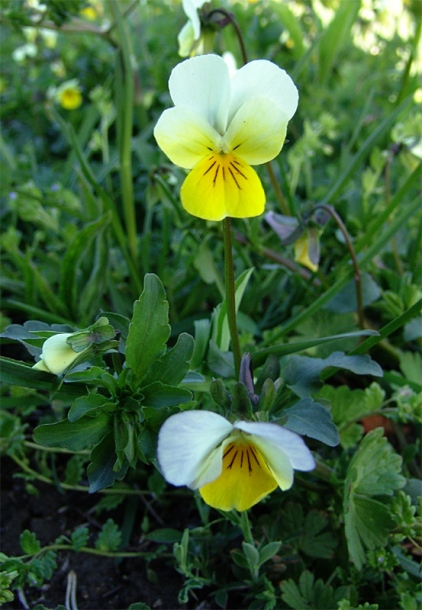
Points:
point(244, 481)
point(223, 185)
point(302, 253)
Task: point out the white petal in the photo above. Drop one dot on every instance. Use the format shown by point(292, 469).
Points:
point(186, 38)
point(41, 366)
point(263, 78)
point(290, 443)
point(202, 83)
point(257, 131)
point(186, 445)
point(185, 136)
point(190, 8)
point(57, 353)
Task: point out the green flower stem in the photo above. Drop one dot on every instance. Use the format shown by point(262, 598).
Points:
point(230, 294)
point(245, 525)
point(358, 283)
point(91, 551)
point(44, 479)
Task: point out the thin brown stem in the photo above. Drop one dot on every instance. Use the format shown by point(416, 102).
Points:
point(358, 279)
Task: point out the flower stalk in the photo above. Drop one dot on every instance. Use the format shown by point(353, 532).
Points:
point(357, 274)
point(231, 294)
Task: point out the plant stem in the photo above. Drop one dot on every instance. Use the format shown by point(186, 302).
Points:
point(246, 527)
point(279, 193)
point(231, 294)
point(358, 283)
point(125, 101)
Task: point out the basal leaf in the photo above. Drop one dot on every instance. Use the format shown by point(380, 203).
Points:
point(373, 471)
point(76, 436)
point(149, 329)
point(173, 366)
point(161, 395)
point(85, 404)
point(303, 374)
point(310, 418)
point(101, 472)
point(109, 538)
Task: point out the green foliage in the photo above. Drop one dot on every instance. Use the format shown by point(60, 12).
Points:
point(311, 593)
point(109, 538)
point(373, 472)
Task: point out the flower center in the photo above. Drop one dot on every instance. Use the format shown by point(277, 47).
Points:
point(239, 456)
point(225, 167)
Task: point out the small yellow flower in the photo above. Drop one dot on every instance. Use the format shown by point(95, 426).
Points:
point(89, 13)
point(301, 248)
point(220, 125)
point(232, 465)
point(69, 95)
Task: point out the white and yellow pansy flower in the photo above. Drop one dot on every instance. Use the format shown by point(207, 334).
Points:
point(189, 36)
point(220, 125)
point(232, 465)
point(57, 355)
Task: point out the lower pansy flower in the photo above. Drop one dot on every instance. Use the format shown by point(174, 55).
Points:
point(233, 465)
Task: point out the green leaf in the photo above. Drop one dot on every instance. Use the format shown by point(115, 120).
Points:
point(309, 418)
point(29, 543)
point(149, 330)
point(350, 406)
point(101, 471)
point(109, 538)
point(76, 436)
point(284, 349)
point(268, 551)
point(160, 395)
point(302, 374)
point(173, 366)
point(69, 291)
point(86, 404)
point(345, 301)
point(373, 471)
point(202, 337)
point(79, 537)
point(337, 35)
point(164, 535)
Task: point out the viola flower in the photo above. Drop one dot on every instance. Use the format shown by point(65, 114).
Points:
point(57, 355)
point(69, 95)
point(220, 125)
point(306, 250)
point(190, 35)
point(232, 465)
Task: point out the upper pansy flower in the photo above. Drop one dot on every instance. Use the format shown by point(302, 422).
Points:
point(232, 465)
point(220, 125)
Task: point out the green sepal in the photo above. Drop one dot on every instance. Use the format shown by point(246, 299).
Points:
point(220, 394)
point(267, 397)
